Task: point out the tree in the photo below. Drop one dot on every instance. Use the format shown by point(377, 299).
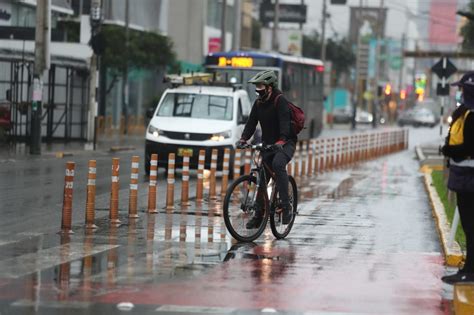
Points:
point(338, 51)
point(147, 50)
point(467, 31)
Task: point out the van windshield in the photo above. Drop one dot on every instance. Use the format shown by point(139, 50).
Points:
point(200, 106)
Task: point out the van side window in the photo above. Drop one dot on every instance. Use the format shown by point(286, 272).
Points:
point(246, 106)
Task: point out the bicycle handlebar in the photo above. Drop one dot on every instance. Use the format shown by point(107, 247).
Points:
point(259, 147)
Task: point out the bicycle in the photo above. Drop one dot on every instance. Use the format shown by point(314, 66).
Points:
point(240, 202)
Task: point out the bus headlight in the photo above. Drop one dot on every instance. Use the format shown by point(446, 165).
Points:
point(221, 136)
point(154, 131)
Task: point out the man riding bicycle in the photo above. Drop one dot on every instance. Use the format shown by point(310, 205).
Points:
point(272, 111)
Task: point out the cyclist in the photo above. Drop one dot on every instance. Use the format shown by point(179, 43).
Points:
point(272, 111)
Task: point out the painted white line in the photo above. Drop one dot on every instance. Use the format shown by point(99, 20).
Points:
point(194, 309)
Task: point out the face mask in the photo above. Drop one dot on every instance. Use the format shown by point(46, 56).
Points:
point(261, 93)
point(458, 96)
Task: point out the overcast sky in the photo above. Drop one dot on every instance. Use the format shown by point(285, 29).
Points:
point(398, 22)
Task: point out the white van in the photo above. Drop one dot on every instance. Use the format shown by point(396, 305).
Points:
point(189, 118)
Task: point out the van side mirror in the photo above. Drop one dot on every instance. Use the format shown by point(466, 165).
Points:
point(243, 119)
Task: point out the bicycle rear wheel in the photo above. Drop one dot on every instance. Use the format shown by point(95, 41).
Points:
point(279, 229)
point(239, 208)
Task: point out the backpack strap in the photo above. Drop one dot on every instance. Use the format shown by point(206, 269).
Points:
point(276, 98)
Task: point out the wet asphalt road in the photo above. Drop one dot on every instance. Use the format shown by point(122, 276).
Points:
point(364, 243)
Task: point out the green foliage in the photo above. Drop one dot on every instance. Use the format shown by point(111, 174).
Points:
point(146, 49)
point(467, 31)
point(449, 207)
point(338, 51)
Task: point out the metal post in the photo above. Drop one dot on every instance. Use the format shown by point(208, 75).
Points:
point(443, 100)
point(402, 66)
point(276, 21)
point(42, 39)
point(125, 70)
point(375, 104)
point(237, 25)
point(454, 227)
point(223, 25)
point(323, 32)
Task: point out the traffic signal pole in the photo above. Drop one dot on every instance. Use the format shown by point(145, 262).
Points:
point(42, 40)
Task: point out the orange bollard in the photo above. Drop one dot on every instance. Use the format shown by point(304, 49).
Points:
point(66, 222)
point(305, 158)
point(310, 157)
point(296, 171)
point(152, 184)
point(247, 165)
point(322, 156)
point(114, 192)
point(225, 172)
point(237, 163)
point(90, 199)
point(316, 157)
point(133, 201)
point(330, 165)
point(171, 182)
point(185, 182)
point(338, 154)
point(212, 179)
point(200, 176)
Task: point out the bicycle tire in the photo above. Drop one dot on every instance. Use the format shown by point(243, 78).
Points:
point(228, 223)
point(273, 223)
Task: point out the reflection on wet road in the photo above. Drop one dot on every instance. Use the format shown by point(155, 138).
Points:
point(364, 243)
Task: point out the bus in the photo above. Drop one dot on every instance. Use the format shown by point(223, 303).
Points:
point(300, 79)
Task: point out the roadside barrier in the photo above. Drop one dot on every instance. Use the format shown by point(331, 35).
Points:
point(200, 176)
point(152, 184)
point(114, 192)
point(225, 172)
point(212, 178)
point(90, 198)
point(185, 182)
point(66, 221)
point(133, 202)
point(312, 157)
point(171, 182)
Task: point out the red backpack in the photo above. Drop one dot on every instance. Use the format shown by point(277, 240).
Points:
point(297, 116)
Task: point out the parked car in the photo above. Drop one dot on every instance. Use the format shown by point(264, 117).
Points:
point(342, 115)
point(363, 117)
point(417, 117)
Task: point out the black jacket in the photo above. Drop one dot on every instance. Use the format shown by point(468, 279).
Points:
point(274, 119)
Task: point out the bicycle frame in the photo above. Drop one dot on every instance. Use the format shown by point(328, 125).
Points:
point(260, 170)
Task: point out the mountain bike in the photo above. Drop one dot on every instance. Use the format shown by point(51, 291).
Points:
point(240, 202)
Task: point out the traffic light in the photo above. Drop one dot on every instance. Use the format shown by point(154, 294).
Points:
point(403, 94)
point(388, 89)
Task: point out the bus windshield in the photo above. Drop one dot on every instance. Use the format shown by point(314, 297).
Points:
point(198, 106)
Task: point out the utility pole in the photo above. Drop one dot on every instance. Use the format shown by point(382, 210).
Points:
point(357, 78)
point(323, 32)
point(125, 71)
point(237, 25)
point(402, 65)
point(42, 63)
point(95, 21)
point(223, 25)
point(380, 30)
point(276, 21)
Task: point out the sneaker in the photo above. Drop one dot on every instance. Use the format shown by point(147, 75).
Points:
point(287, 215)
point(254, 223)
point(460, 276)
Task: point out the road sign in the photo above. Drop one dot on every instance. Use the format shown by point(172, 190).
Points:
point(444, 68)
point(289, 13)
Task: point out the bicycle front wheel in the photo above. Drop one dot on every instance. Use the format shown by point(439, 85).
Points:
point(279, 229)
point(240, 207)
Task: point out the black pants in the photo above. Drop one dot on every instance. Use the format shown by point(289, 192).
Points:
point(278, 161)
point(466, 213)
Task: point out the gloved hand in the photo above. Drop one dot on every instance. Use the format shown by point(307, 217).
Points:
point(240, 144)
point(445, 150)
point(279, 144)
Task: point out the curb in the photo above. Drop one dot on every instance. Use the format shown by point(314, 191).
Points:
point(453, 254)
point(463, 299)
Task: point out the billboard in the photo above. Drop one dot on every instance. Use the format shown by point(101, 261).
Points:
point(290, 13)
point(290, 41)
